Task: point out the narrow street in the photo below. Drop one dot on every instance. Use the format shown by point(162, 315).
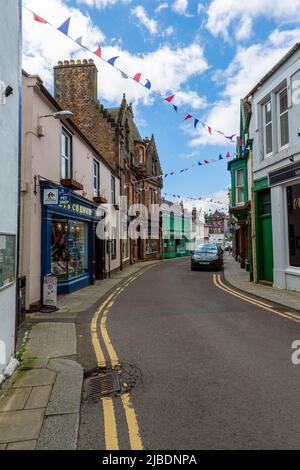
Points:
point(213, 370)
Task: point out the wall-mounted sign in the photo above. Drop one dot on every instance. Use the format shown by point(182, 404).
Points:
point(78, 209)
point(64, 196)
point(51, 197)
point(50, 291)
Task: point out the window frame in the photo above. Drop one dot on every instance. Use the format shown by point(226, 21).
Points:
point(238, 187)
point(96, 177)
point(280, 146)
point(113, 189)
point(66, 134)
point(265, 125)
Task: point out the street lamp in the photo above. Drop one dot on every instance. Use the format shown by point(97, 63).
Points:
point(58, 115)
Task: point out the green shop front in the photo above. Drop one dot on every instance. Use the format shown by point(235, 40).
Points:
point(68, 240)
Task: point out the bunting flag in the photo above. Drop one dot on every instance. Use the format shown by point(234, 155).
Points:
point(220, 157)
point(170, 98)
point(228, 155)
point(113, 60)
point(137, 77)
point(98, 52)
point(206, 162)
point(148, 85)
point(223, 204)
point(199, 163)
point(64, 28)
point(39, 19)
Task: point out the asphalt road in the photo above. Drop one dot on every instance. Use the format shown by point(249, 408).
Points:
point(213, 371)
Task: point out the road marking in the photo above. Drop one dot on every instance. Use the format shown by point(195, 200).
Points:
point(110, 426)
point(243, 295)
point(217, 281)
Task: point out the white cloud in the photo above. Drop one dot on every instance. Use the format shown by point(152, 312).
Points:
point(248, 66)
point(43, 47)
point(180, 7)
point(142, 15)
point(161, 6)
point(224, 14)
point(101, 4)
point(168, 32)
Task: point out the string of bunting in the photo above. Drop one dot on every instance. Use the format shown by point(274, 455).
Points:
point(204, 199)
point(137, 78)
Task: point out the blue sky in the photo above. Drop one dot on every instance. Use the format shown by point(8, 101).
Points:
point(209, 53)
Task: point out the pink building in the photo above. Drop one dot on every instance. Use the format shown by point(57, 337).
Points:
point(64, 182)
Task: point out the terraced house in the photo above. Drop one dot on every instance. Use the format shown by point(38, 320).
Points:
point(114, 133)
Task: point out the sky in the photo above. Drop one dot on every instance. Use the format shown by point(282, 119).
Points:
point(208, 53)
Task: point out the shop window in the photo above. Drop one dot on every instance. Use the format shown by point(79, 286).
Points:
point(283, 118)
point(66, 155)
point(68, 249)
point(268, 128)
point(96, 177)
point(293, 200)
point(7, 259)
point(240, 187)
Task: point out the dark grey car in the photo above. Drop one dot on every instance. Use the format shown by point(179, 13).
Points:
point(207, 256)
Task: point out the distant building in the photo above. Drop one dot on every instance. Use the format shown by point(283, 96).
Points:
point(176, 230)
point(216, 224)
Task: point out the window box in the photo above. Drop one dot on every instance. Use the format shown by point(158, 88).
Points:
point(100, 200)
point(72, 184)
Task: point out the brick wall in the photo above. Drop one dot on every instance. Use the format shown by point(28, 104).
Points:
point(76, 89)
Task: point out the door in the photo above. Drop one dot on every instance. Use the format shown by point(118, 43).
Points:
point(265, 252)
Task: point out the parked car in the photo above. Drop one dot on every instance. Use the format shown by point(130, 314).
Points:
point(206, 256)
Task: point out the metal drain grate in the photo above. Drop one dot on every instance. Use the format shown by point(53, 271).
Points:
point(101, 385)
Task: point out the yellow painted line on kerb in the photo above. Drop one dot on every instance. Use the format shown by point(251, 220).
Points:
point(217, 281)
point(110, 426)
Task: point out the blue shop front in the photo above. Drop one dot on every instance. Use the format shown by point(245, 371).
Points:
point(68, 236)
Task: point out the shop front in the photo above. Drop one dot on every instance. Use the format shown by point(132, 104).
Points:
point(68, 236)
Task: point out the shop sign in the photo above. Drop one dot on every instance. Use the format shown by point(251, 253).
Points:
point(64, 196)
point(51, 197)
point(78, 209)
point(50, 291)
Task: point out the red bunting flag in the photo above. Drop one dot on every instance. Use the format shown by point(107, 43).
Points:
point(137, 77)
point(240, 142)
point(170, 98)
point(227, 155)
point(39, 19)
point(209, 129)
point(189, 116)
point(98, 52)
point(206, 161)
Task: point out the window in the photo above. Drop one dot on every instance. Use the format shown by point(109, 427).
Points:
point(240, 186)
point(66, 155)
point(68, 249)
point(268, 129)
point(283, 118)
point(114, 243)
point(7, 259)
point(96, 177)
point(113, 190)
point(141, 155)
point(293, 200)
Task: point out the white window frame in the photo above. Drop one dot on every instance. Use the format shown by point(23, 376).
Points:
point(96, 177)
point(69, 158)
point(237, 187)
point(281, 147)
point(265, 124)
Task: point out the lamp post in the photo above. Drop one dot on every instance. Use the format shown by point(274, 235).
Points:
point(58, 115)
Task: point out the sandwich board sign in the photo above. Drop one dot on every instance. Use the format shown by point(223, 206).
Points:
point(50, 291)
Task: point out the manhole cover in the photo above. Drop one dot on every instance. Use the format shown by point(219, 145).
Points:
point(101, 384)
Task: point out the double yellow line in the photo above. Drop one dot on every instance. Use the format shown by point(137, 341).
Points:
point(110, 424)
point(218, 282)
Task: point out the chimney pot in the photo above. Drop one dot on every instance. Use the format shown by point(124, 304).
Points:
point(91, 61)
point(60, 62)
point(78, 61)
point(72, 62)
point(66, 62)
point(84, 61)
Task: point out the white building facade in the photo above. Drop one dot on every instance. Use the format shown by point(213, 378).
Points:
point(10, 74)
point(276, 171)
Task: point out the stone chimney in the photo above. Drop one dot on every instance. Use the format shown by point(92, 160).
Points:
point(76, 89)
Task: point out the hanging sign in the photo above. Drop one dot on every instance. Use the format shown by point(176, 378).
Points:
point(64, 196)
point(51, 197)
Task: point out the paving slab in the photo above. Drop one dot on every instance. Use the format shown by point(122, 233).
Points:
point(59, 433)
point(15, 399)
point(17, 426)
point(34, 378)
point(39, 397)
point(49, 340)
point(67, 390)
point(25, 445)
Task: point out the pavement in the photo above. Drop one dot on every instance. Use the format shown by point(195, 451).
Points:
point(40, 405)
point(239, 278)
